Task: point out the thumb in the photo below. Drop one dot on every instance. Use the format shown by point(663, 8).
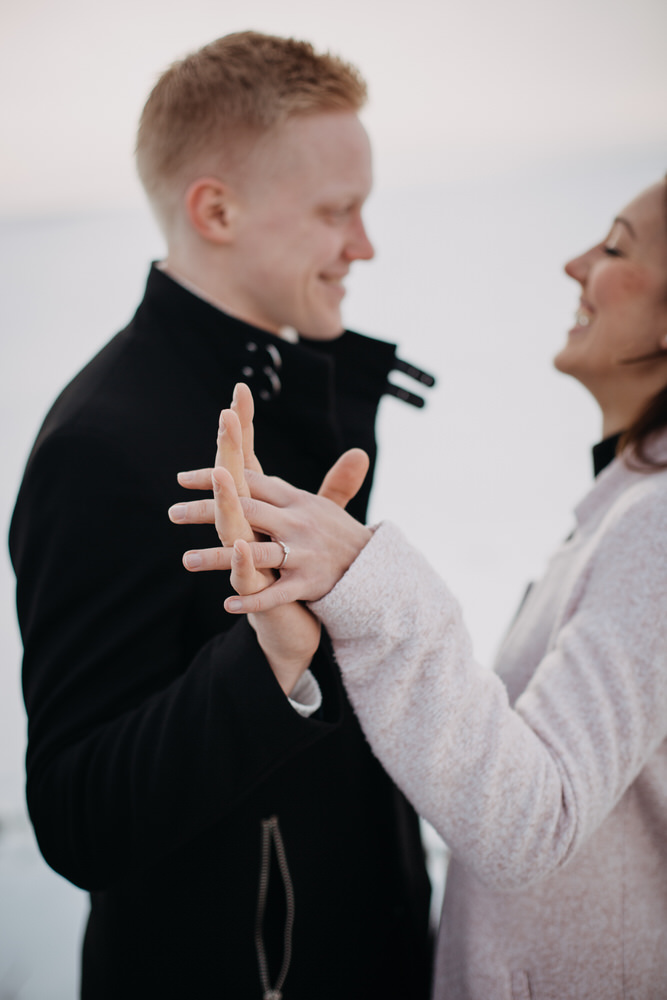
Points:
point(344, 478)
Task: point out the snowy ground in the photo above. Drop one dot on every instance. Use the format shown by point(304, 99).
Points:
point(468, 280)
point(41, 919)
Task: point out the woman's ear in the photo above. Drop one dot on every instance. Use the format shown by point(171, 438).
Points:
point(211, 209)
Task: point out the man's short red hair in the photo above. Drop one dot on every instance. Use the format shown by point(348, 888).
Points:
point(234, 89)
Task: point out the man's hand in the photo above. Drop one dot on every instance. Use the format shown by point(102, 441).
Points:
point(288, 636)
point(235, 447)
point(287, 632)
point(235, 451)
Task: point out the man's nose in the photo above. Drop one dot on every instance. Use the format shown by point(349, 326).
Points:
point(359, 246)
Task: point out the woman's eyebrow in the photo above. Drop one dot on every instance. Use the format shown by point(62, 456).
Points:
point(624, 222)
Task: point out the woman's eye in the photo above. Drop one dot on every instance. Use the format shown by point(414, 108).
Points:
point(612, 252)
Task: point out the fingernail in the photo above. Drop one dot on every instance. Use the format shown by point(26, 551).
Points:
point(233, 604)
point(185, 477)
point(192, 560)
point(221, 424)
point(235, 394)
point(178, 512)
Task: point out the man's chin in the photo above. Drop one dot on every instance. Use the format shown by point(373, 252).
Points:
point(324, 331)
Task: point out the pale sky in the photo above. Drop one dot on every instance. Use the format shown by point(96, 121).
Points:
point(455, 88)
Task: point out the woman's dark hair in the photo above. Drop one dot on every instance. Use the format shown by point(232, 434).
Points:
point(654, 415)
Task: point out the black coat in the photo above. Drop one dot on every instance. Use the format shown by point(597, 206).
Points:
point(159, 739)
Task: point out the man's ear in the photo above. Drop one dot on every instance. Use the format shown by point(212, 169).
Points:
point(211, 209)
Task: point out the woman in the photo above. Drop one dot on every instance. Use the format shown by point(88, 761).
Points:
point(548, 777)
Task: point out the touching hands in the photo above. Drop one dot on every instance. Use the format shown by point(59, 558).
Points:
point(288, 636)
point(322, 539)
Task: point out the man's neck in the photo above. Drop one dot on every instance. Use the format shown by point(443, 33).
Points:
point(287, 332)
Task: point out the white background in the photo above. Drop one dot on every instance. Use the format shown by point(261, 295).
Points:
point(506, 136)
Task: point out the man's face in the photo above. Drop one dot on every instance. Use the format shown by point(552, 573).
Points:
point(299, 226)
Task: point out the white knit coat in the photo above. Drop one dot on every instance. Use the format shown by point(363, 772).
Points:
point(547, 777)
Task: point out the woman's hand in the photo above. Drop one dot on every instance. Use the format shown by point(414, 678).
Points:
point(321, 539)
point(318, 540)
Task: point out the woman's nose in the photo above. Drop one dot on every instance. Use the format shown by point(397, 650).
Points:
point(577, 268)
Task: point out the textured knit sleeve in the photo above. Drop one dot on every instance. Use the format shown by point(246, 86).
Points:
point(513, 790)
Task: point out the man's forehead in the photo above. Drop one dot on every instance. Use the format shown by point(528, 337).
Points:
point(330, 149)
point(327, 135)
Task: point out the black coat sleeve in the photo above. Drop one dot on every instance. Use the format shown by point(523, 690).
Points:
point(139, 738)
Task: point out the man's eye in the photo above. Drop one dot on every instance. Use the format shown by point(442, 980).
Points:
point(612, 252)
point(338, 214)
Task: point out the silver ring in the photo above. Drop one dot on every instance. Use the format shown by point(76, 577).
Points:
point(285, 549)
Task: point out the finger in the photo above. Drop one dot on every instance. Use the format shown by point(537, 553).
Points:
point(196, 479)
point(265, 555)
point(193, 512)
point(244, 406)
point(245, 578)
point(277, 594)
point(266, 519)
point(270, 488)
point(229, 452)
point(230, 521)
point(344, 479)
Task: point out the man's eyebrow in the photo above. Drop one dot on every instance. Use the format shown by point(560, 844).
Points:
point(628, 225)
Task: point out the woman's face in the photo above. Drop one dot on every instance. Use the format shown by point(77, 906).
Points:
point(622, 312)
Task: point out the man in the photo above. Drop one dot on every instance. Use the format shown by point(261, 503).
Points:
point(235, 833)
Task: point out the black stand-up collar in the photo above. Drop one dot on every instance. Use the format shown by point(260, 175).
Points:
point(604, 452)
point(207, 337)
